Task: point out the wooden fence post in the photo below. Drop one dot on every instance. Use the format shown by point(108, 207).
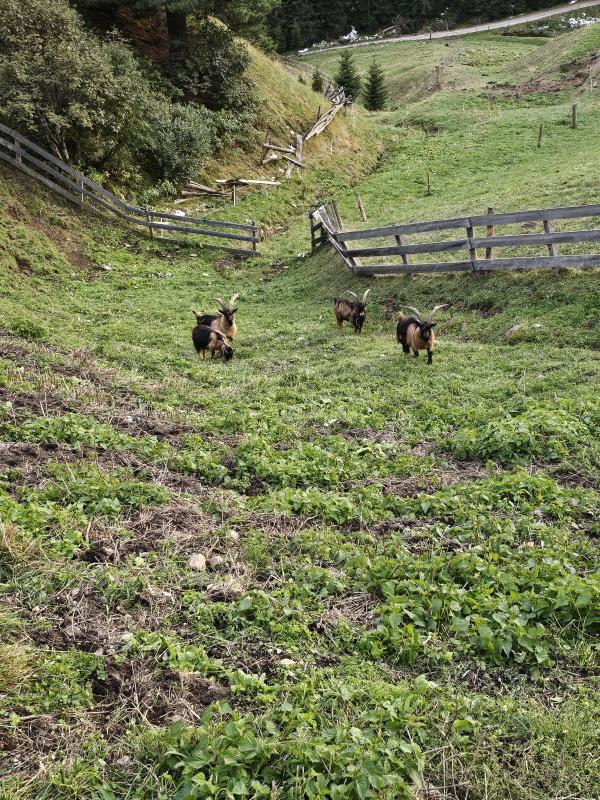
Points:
point(574, 115)
point(541, 135)
point(403, 256)
point(489, 232)
point(254, 236)
point(428, 184)
point(552, 248)
point(361, 208)
point(17, 155)
point(336, 213)
point(146, 209)
point(472, 250)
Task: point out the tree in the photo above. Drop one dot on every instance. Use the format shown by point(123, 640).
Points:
point(317, 81)
point(347, 75)
point(375, 93)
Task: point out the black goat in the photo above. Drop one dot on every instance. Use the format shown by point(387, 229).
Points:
point(208, 339)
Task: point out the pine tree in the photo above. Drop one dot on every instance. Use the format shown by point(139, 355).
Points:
point(347, 75)
point(317, 81)
point(375, 89)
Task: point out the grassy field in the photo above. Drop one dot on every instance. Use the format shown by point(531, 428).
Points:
point(401, 595)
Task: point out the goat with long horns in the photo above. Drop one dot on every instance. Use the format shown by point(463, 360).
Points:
point(224, 321)
point(352, 311)
point(416, 334)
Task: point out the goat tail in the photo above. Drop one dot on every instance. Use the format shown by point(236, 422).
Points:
point(399, 319)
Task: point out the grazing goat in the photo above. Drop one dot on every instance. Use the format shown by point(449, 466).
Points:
point(414, 334)
point(223, 322)
point(206, 338)
point(352, 311)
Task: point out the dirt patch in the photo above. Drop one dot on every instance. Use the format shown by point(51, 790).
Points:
point(80, 619)
point(579, 73)
point(134, 687)
point(30, 459)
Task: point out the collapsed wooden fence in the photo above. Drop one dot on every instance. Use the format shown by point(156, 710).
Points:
point(366, 252)
point(71, 184)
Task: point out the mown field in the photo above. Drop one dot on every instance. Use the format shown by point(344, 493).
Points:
point(401, 594)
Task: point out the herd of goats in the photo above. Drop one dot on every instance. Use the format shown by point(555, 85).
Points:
point(214, 332)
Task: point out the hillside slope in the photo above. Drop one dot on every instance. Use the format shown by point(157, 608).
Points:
point(323, 569)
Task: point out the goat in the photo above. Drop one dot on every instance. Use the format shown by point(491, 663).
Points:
point(415, 334)
point(224, 321)
point(206, 338)
point(352, 311)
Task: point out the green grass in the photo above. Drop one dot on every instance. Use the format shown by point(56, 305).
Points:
point(402, 597)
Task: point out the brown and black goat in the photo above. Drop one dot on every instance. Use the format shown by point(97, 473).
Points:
point(353, 311)
point(210, 340)
point(224, 321)
point(416, 334)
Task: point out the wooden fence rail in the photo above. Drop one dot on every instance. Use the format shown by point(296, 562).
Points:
point(71, 184)
point(326, 223)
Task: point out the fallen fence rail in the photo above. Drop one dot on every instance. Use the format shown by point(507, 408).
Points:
point(326, 228)
point(71, 184)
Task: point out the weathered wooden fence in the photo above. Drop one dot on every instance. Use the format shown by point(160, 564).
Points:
point(366, 252)
point(71, 184)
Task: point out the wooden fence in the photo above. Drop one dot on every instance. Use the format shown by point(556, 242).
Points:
point(366, 252)
point(75, 187)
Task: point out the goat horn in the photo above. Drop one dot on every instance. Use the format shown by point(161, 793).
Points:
point(352, 293)
point(234, 297)
point(412, 308)
point(434, 311)
point(365, 295)
point(219, 301)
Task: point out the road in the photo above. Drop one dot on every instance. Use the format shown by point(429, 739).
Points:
point(533, 16)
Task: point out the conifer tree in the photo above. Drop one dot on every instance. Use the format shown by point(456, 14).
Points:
point(317, 81)
point(375, 93)
point(347, 75)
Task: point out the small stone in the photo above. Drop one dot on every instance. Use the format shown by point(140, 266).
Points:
point(287, 662)
point(233, 535)
point(215, 562)
point(197, 562)
point(106, 267)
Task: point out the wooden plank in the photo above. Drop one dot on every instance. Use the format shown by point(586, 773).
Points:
point(540, 262)
point(574, 115)
point(525, 239)
point(414, 227)
point(410, 249)
point(538, 215)
point(199, 231)
point(391, 269)
point(278, 149)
